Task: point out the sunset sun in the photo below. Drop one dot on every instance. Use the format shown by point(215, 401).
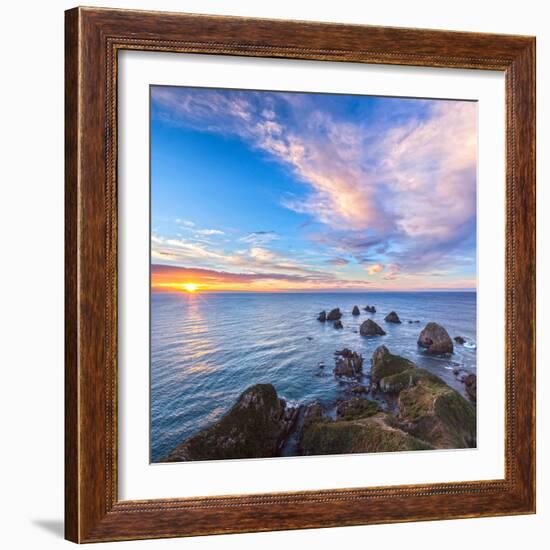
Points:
point(190, 287)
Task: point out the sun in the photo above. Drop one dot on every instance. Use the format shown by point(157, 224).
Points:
point(190, 287)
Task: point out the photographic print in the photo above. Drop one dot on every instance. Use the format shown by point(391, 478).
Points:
point(313, 274)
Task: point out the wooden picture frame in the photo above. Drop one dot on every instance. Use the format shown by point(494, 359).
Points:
point(93, 511)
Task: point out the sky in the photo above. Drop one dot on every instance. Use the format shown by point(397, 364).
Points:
point(286, 191)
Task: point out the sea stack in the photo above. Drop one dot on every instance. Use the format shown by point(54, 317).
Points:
point(334, 314)
point(338, 324)
point(435, 339)
point(370, 309)
point(392, 317)
point(322, 316)
point(355, 311)
point(370, 328)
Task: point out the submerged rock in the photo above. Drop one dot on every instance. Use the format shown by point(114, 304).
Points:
point(349, 363)
point(434, 412)
point(370, 309)
point(255, 427)
point(338, 324)
point(355, 311)
point(435, 339)
point(459, 340)
point(359, 389)
point(322, 316)
point(370, 328)
point(392, 317)
point(384, 365)
point(334, 314)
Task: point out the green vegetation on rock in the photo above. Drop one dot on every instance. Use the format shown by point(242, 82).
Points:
point(356, 407)
point(384, 364)
point(253, 428)
point(361, 435)
point(438, 414)
point(407, 378)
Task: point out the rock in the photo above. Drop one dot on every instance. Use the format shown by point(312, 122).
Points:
point(366, 434)
point(255, 427)
point(309, 338)
point(359, 389)
point(459, 340)
point(392, 317)
point(384, 364)
point(435, 339)
point(432, 411)
point(370, 309)
point(355, 311)
point(370, 328)
point(322, 316)
point(338, 324)
point(470, 381)
point(349, 363)
point(334, 314)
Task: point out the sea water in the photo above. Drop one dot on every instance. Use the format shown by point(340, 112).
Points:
point(207, 348)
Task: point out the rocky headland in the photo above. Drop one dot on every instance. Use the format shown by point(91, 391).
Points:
point(255, 427)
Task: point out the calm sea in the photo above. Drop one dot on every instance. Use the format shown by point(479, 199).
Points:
point(206, 348)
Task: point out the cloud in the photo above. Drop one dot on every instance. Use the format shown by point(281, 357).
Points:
point(185, 223)
point(209, 232)
point(393, 271)
point(165, 273)
point(170, 278)
point(254, 258)
point(400, 188)
point(259, 237)
point(338, 261)
point(373, 269)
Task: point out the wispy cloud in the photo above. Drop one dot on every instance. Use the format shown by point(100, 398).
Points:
point(338, 261)
point(209, 232)
point(260, 237)
point(185, 223)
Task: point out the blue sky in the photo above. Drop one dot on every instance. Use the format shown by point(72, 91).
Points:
point(255, 190)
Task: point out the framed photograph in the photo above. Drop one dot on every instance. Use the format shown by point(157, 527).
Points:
point(300, 275)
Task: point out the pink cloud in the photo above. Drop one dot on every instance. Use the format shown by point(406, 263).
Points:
point(373, 269)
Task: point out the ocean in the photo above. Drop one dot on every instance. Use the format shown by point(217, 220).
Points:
point(207, 348)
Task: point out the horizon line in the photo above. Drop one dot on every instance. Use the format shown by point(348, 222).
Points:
point(173, 290)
